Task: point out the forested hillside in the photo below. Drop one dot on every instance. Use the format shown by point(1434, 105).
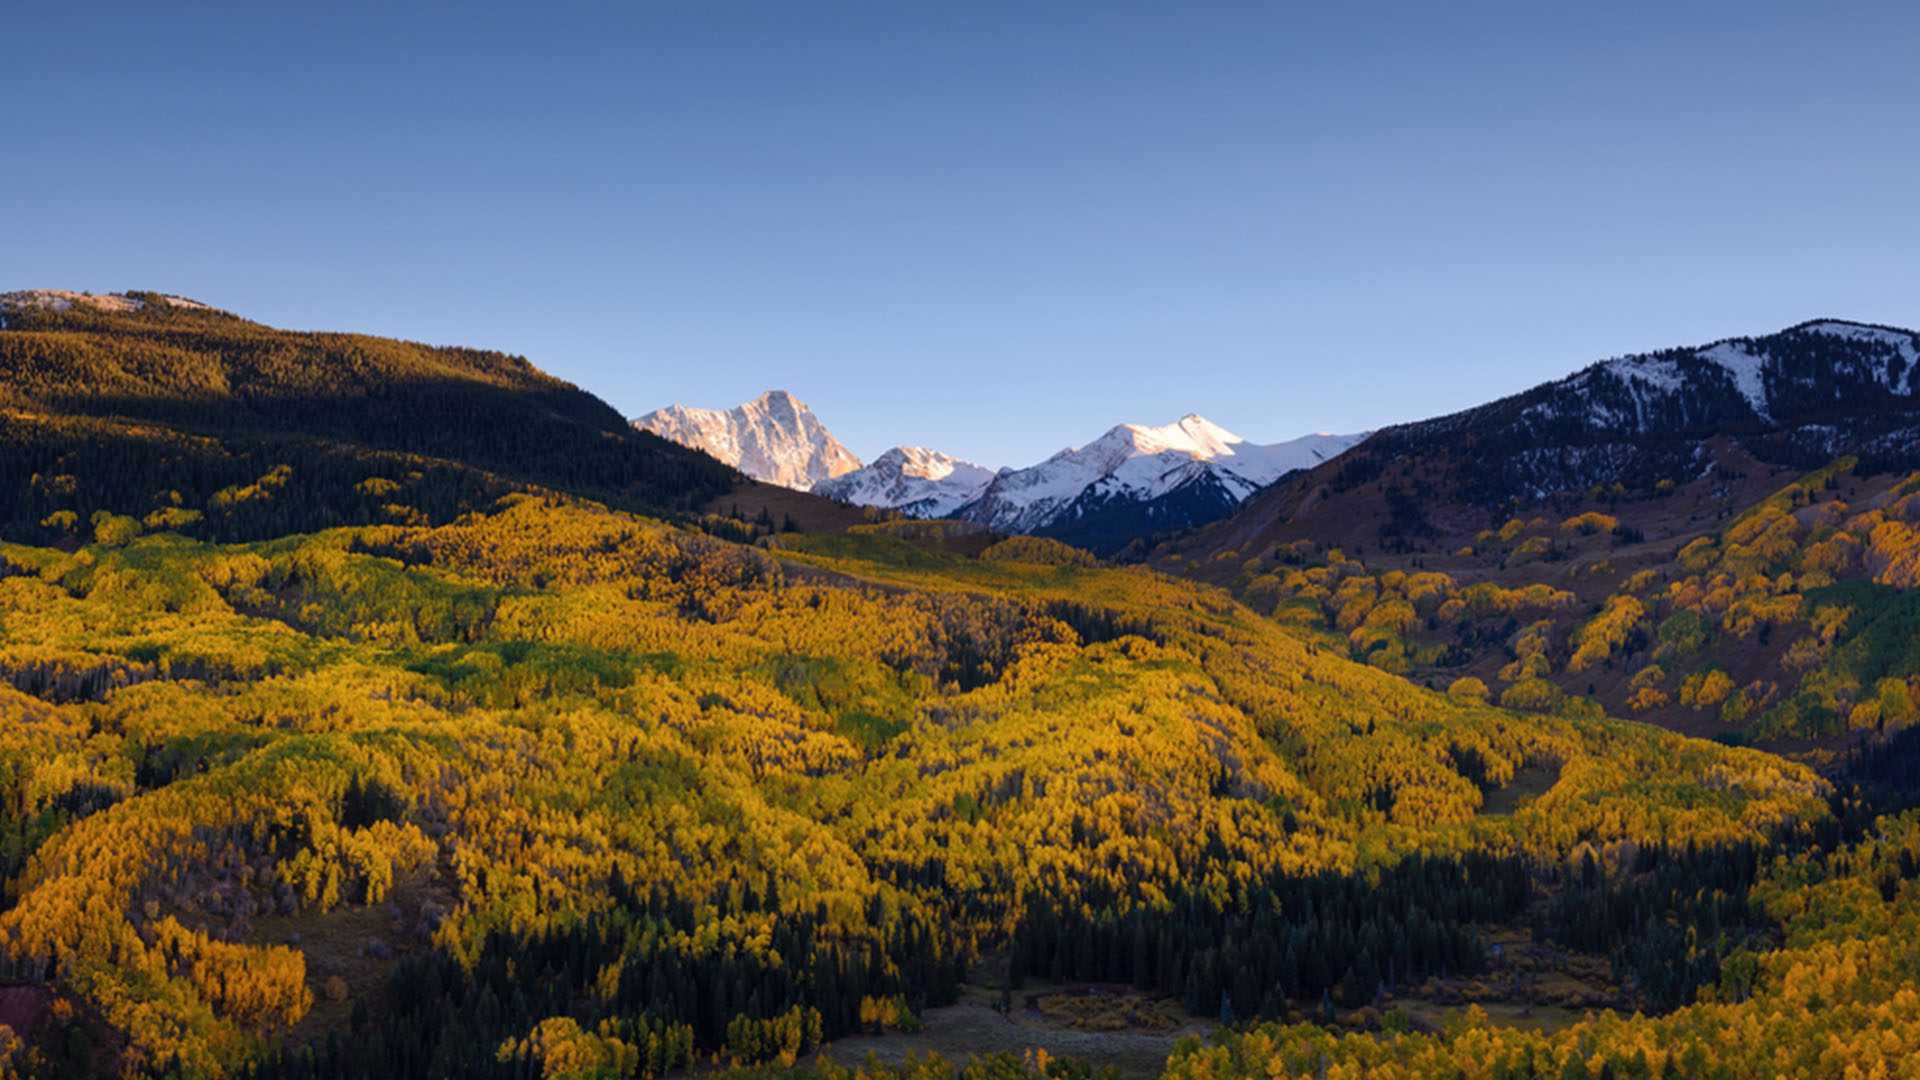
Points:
point(1791, 619)
point(1834, 996)
point(190, 418)
point(696, 798)
point(499, 776)
point(1709, 570)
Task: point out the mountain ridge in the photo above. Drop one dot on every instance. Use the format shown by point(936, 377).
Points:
point(1136, 481)
point(235, 427)
point(1631, 425)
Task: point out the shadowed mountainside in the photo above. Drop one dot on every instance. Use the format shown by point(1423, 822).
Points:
point(257, 430)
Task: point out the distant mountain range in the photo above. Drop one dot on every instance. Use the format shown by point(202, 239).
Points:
point(1132, 482)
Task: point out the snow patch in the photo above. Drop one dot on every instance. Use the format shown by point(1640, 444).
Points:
point(1653, 372)
point(67, 300)
point(183, 303)
point(1860, 332)
point(1903, 344)
point(1746, 368)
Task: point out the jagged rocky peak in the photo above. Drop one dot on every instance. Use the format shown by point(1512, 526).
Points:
point(774, 438)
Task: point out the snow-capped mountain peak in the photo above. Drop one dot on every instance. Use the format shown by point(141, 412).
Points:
point(1192, 434)
point(1135, 463)
point(925, 464)
point(774, 437)
point(914, 480)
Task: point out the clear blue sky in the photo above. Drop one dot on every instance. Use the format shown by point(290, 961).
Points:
point(993, 228)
